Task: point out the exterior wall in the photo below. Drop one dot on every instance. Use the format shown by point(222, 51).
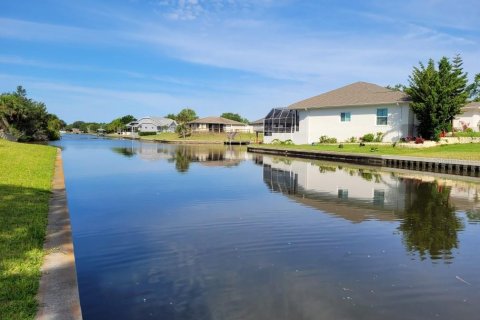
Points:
point(363, 120)
point(257, 127)
point(146, 125)
point(470, 117)
point(203, 127)
point(239, 128)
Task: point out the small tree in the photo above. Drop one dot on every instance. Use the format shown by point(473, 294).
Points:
point(171, 116)
point(437, 95)
point(183, 117)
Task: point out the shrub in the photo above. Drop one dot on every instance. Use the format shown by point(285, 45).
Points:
point(369, 137)
point(147, 133)
point(379, 137)
point(469, 130)
point(340, 146)
point(419, 140)
point(327, 139)
point(351, 140)
point(275, 141)
point(287, 142)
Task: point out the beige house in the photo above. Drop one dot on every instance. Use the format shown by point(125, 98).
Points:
point(217, 124)
point(470, 118)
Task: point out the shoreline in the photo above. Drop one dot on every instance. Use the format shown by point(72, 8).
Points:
point(58, 296)
point(439, 165)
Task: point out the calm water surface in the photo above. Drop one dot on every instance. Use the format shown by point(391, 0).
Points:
point(209, 232)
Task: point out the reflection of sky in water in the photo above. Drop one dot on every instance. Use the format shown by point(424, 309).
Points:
point(209, 232)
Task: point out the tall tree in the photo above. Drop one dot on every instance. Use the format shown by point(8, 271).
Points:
point(474, 88)
point(438, 95)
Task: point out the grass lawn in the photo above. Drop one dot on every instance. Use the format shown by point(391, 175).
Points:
point(467, 134)
point(213, 137)
point(25, 183)
point(469, 151)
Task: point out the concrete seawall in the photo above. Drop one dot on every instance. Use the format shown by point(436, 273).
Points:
point(448, 166)
point(58, 296)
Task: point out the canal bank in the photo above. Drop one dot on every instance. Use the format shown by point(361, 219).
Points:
point(58, 296)
point(440, 165)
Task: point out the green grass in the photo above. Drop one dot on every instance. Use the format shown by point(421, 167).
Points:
point(469, 151)
point(25, 183)
point(467, 134)
point(212, 137)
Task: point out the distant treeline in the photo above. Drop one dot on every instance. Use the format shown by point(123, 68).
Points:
point(119, 124)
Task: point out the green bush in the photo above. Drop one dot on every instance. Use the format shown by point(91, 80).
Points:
point(276, 141)
point(147, 133)
point(327, 139)
point(287, 142)
point(379, 137)
point(351, 140)
point(369, 137)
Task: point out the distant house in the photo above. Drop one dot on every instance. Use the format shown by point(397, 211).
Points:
point(217, 124)
point(152, 124)
point(257, 125)
point(350, 111)
point(470, 118)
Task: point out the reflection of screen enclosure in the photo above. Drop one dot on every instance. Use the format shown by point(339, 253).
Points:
point(281, 120)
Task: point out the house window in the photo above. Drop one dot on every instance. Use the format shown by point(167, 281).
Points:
point(345, 116)
point(342, 193)
point(382, 116)
point(378, 197)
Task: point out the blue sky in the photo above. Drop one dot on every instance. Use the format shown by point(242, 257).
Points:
point(98, 60)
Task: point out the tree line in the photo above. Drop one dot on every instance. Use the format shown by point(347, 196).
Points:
point(119, 124)
point(27, 119)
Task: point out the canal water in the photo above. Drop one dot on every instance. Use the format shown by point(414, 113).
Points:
point(213, 232)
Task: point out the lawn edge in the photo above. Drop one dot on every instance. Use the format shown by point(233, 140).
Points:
point(58, 296)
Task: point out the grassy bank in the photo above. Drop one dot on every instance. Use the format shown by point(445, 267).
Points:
point(25, 182)
point(455, 151)
point(203, 137)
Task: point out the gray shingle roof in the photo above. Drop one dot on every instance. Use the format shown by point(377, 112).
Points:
point(162, 122)
point(355, 94)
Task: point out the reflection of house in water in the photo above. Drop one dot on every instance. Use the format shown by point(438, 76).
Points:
point(354, 194)
point(183, 155)
point(425, 207)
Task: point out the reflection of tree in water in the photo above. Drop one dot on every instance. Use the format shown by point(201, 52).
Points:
point(127, 152)
point(430, 225)
point(181, 159)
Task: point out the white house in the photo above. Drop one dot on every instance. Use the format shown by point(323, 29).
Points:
point(257, 125)
point(152, 124)
point(470, 118)
point(350, 111)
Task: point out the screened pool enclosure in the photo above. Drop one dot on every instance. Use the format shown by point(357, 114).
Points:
point(281, 120)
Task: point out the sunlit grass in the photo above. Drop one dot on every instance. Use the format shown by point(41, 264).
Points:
point(25, 183)
point(469, 151)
